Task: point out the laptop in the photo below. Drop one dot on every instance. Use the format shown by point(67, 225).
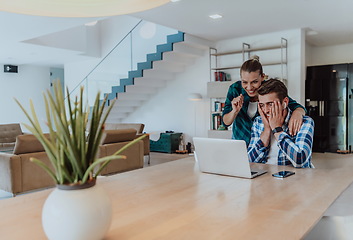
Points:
point(225, 157)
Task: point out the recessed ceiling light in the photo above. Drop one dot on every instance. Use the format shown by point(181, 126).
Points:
point(175, 0)
point(215, 16)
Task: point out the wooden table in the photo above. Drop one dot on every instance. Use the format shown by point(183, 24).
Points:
point(175, 201)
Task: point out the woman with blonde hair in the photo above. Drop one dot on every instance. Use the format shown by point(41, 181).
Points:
point(241, 103)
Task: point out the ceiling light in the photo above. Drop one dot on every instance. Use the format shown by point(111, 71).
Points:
point(82, 8)
point(215, 16)
point(175, 0)
point(195, 97)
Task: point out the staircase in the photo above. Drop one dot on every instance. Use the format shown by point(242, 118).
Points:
point(170, 58)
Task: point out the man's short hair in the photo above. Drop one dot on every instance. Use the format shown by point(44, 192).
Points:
point(273, 86)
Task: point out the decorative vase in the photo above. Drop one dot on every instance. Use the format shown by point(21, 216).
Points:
point(77, 212)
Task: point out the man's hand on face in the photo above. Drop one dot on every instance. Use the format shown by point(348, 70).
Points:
point(277, 115)
point(264, 118)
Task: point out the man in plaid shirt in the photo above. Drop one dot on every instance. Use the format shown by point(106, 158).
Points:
point(270, 141)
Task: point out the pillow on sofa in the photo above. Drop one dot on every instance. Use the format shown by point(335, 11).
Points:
point(9, 132)
point(119, 135)
point(138, 126)
point(28, 143)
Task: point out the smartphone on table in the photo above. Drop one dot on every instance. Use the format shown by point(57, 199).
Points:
point(283, 174)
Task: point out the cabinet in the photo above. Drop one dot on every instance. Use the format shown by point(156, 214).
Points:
point(167, 142)
point(224, 71)
point(328, 94)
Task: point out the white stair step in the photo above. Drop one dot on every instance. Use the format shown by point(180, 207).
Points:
point(177, 58)
point(158, 74)
point(132, 96)
point(116, 116)
point(198, 42)
point(188, 50)
point(123, 109)
point(141, 89)
point(168, 66)
point(127, 103)
point(148, 81)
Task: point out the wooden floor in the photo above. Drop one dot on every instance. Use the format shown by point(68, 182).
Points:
point(331, 160)
point(158, 158)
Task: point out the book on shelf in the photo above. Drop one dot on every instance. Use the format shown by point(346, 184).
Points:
point(222, 76)
point(216, 120)
point(217, 123)
point(222, 106)
point(228, 77)
point(218, 106)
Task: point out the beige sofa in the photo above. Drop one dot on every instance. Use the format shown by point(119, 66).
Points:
point(139, 129)
point(18, 174)
point(115, 140)
point(8, 134)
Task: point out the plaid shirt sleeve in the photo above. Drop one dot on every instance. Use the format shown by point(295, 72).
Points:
point(294, 151)
point(298, 149)
point(257, 151)
point(234, 91)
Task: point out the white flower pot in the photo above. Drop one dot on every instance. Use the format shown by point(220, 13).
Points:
point(77, 214)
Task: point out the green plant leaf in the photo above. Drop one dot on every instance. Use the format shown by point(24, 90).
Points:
point(117, 153)
point(106, 159)
point(72, 152)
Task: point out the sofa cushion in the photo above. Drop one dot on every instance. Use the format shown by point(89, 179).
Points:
point(9, 132)
point(28, 143)
point(119, 135)
point(7, 145)
point(138, 126)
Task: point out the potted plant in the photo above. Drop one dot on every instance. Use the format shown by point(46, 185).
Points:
point(77, 208)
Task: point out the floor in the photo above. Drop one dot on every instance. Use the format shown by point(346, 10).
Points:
point(320, 160)
point(158, 158)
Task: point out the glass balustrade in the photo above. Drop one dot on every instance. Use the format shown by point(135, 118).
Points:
point(124, 57)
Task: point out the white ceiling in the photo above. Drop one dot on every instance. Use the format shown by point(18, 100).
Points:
point(330, 21)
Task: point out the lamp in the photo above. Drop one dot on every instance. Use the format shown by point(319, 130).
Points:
point(195, 97)
point(76, 8)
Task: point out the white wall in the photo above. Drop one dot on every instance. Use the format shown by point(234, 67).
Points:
point(170, 108)
point(29, 83)
point(122, 59)
point(112, 30)
point(330, 54)
point(296, 57)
